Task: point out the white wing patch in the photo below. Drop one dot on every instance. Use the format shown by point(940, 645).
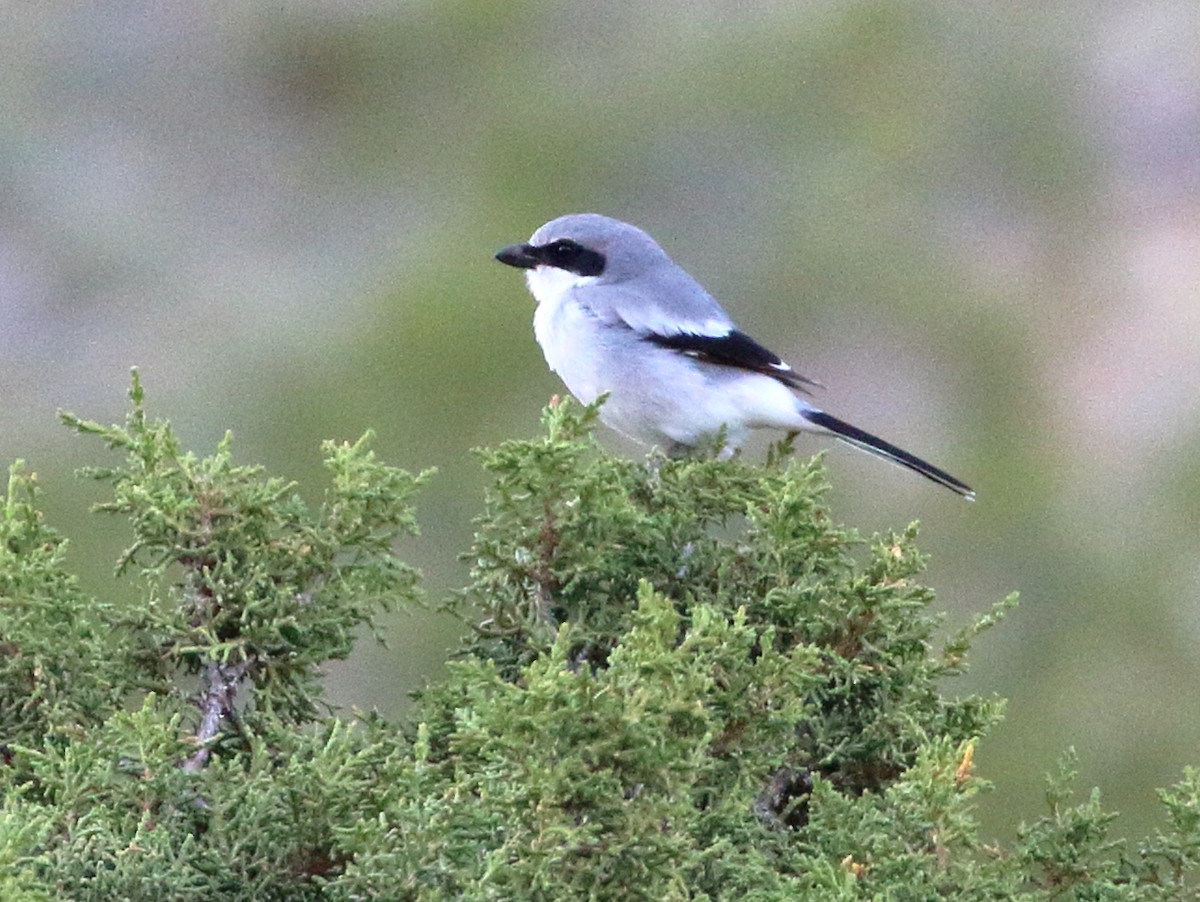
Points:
point(674, 309)
point(657, 321)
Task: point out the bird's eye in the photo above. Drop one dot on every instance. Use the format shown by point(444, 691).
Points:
point(564, 251)
point(569, 255)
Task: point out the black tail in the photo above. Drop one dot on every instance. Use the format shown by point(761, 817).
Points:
point(852, 435)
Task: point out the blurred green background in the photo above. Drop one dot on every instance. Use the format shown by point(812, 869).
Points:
point(978, 224)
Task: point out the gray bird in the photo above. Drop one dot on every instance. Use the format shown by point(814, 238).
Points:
point(615, 314)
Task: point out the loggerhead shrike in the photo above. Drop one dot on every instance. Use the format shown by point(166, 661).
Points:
point(615, 314)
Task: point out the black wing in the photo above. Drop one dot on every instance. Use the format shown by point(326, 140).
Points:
point(736, 349)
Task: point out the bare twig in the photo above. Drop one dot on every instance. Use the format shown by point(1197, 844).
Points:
point(221, 682)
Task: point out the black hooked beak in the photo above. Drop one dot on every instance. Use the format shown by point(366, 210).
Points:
point(522, 256)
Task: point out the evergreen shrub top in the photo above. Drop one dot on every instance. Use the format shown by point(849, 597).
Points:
point(681, 680)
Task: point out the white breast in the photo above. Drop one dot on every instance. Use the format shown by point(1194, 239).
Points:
point(569, 336)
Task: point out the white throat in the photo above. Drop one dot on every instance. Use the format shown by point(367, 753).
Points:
point(550, 285)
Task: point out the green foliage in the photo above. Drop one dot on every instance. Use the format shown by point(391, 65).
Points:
point(257, 578)
point(682, 681)
point(60, 665)
point(130, 780)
